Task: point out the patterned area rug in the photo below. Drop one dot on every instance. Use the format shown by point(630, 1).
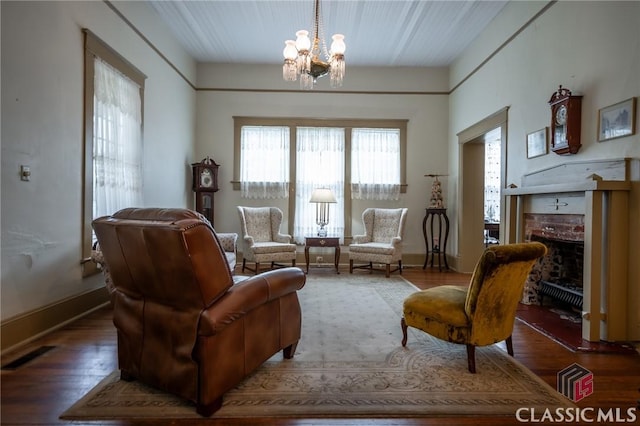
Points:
point(350, 363)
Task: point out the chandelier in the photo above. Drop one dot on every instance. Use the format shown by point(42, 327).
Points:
point(304, 58)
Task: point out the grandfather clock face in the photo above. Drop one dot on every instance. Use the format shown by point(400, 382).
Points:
point(206, 178)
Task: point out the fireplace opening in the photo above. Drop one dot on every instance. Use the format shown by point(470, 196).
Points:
point(556, 281)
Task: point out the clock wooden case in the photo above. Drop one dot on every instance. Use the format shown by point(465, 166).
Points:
point(565, 121)
point(205, 184)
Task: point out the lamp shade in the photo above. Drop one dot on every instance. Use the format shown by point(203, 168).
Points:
point(322, 195)
point(290, 51)
point(338, 46)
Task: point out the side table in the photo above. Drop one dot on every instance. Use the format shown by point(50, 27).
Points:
point(322, 242)
point(436, 245)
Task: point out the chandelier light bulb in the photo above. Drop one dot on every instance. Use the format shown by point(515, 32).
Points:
point(303, 43)
point(290, 51)
point(338, 46)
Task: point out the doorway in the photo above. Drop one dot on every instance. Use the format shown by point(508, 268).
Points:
point(471, 241)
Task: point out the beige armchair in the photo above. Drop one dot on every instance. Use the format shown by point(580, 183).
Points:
point(261, 238)
point(229, 243)
point(382, 241)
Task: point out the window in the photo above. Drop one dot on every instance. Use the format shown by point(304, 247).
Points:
point(492, 177)
point(375, 164)
point(319, 164)
point(113, 137)
point(356, 159)
point(260, 178)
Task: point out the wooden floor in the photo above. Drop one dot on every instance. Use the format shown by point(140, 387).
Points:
point(85, 352)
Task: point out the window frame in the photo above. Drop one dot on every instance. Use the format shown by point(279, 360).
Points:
point(347, 124)
point(94, 46)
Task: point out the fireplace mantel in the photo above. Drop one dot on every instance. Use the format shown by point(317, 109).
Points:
point(599, 190)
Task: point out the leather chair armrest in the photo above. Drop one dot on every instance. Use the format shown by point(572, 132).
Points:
point(249, 294)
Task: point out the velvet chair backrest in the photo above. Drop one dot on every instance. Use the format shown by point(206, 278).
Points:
point(496, 288)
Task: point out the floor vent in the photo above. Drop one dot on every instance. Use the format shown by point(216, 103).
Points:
point(17, 363)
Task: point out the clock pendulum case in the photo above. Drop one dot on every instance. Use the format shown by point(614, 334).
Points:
point(565, 121)
point(205, 184)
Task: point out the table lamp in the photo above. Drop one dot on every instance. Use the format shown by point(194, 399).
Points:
point(322, 197)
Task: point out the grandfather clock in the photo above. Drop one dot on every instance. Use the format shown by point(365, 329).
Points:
point(205, 184)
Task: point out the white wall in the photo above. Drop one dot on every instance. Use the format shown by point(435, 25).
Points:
point(591, 48)
point(426, 133)
point(42, 117)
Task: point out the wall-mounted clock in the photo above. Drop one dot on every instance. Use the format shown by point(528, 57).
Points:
point(205, 183)
point(565, 121)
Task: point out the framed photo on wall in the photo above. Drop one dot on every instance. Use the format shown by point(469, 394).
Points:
point(537, 143)
point(617, 120)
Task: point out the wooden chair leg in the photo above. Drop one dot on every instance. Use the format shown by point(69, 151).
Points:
point(403, 324)
point(509, 342)
point(371, 267)
point(244, 264)
point(471, 358)
point(257, 269)
point(400, 266)
point(126, 376)
point(388, 270)
point(290, 350)
point(350, 266)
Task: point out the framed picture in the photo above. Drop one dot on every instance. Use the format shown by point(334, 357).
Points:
point(617, 120)
point(537, 143)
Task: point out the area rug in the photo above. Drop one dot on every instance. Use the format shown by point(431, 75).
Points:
point(350, 363)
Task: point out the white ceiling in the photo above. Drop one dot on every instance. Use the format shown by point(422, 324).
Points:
point(412, 33)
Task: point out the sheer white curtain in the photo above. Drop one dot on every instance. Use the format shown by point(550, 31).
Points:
point(375, 164)
point(264, 168)
point(319, 164)
point(117, 141)
point(492, 180)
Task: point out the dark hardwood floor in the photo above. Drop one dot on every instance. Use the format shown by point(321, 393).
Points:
point(84, 352)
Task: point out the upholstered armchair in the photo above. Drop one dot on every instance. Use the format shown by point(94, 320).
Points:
point(482, 313)
point(382, 241)
point(229, 243)
point(262, 241)
point(185, 325)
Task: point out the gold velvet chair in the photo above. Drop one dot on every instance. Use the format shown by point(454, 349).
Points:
point(382, 241)
point(482, 313)
point(262, 241)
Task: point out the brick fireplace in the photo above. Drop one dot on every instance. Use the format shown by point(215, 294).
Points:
point(559, 275)
point(578, 208)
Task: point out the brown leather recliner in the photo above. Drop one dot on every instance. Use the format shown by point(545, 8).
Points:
point(183, 325)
